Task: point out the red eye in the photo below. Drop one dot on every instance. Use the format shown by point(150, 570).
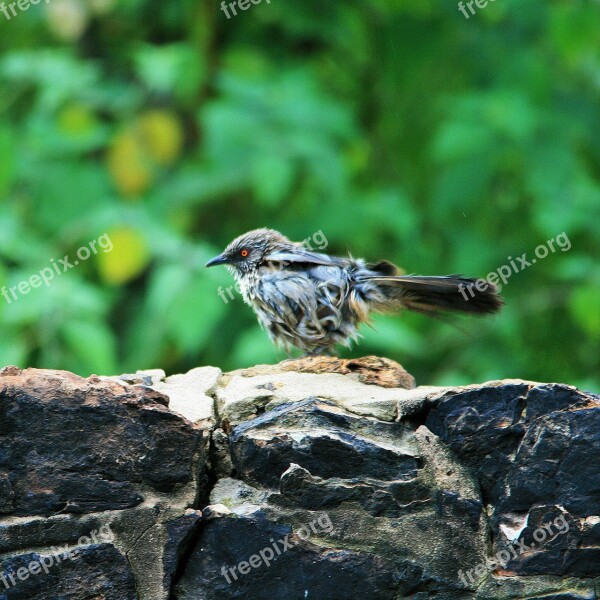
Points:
point(244, 253)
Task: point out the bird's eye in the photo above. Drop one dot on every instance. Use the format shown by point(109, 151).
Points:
point(244, 252)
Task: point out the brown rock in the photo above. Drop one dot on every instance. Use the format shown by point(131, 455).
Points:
point(374, 370)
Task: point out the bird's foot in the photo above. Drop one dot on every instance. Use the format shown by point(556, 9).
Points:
point(315, 353)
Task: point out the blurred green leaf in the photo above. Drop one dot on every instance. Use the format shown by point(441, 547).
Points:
point(93, 343)
point(194, 315)
point(585, 309)
point(13, 349)
point(272, 178)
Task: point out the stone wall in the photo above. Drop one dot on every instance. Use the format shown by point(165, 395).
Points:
point(317, 478)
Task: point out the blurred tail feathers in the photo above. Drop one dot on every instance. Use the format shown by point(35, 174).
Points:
point(432, 294)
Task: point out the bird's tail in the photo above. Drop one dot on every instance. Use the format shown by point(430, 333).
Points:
point(430, 294)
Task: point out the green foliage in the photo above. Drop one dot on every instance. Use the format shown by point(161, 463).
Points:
point(399, 128)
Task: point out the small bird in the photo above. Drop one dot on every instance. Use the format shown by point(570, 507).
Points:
point(314, 301)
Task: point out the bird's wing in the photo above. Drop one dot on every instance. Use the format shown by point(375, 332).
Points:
point(302, 255)
point(417, 281)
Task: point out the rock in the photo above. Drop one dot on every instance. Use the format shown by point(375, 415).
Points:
point(228, 569)
point(238, 497)
point(220, 456)
point(325, 439)
point(75, 445)
point(390, 529)
point(7, 494)
point(241, 397)
point(336, 462)
point(215, 511)
point(374, 370)
point(536, 588)
point(317, 478)
point(78, 454)
point(180, 533)
point(156, 375)
point(190, 394)
point(95, 571)
point(526, 443)
point(146, 377)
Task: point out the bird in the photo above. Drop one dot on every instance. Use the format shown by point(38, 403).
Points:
point(315, 302)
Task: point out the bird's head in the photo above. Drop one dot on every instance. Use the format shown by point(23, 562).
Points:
point(248, 251)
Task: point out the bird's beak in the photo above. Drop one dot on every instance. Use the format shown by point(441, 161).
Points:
point(217, 260)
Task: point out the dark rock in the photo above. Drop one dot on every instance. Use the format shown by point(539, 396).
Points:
point(527, 444)
point(378, 498)
point(377, 481)
point(180, 532)
point(484, 426)
point(486, 492)
point(93, 572)
point(220, 455)
point(78, 445)
point(7, 495)
point(324, 439)
point(221, 567)
point(89, 453)
point(546, 468)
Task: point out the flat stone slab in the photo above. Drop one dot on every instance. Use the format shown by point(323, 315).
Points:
point(241, 397)
point(190, 393)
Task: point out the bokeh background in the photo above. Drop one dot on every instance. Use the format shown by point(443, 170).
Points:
point(398, 128)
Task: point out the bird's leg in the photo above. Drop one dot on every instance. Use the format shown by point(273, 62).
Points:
point(318, 352)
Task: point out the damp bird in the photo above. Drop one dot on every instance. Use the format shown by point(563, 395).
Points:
point(314, 301)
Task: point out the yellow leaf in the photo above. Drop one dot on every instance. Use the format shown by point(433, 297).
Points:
point(128, 166)
point(161, 135)
point(127, 259)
